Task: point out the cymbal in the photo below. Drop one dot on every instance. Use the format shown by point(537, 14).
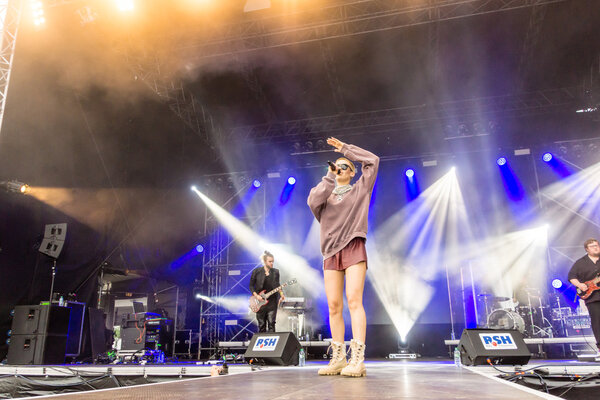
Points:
point(485, 295)
point(501, 298)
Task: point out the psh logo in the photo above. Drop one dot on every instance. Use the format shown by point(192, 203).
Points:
point(497, 341)
point(266, 343)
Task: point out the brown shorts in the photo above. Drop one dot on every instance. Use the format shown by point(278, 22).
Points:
point(353, 253)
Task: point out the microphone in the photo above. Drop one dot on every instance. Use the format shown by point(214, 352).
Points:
point(332, 166)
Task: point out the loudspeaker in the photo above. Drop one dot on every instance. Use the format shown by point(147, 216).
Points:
point(37, 349)
point(39, 320)
point(39, 335)
point(96, 328)
point(278, 348)
point(501, 346)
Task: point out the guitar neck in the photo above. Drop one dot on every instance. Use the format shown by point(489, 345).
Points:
point(278, 288)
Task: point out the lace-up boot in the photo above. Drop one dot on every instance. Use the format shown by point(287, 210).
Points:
point(356, 366)
point(338, 359)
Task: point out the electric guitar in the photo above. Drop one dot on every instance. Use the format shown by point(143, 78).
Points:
point(256, 304)
point(592, 287)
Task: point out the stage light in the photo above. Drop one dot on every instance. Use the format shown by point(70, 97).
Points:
point(501, 161)
point(199, 248)
point(16, 186)
point(547, 157)
point(557, 283)
point(37, 11)
point(410, 173)
point(256, 183)
point(124, 5)
point(193, 188)
point(292, 180)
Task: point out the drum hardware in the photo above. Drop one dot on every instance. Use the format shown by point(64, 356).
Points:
point(491, 303)
point(504, 319)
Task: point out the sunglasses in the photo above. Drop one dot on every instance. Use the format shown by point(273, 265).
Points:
point(343, 166)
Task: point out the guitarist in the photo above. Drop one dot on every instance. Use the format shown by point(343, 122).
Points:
point(584, 270)
point(266, 278)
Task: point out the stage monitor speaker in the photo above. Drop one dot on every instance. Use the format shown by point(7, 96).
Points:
point(501, 346)
point(278, 348)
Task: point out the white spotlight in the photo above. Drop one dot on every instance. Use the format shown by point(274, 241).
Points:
point(125, 5)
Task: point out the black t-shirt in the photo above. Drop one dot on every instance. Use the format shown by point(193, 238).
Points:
point(260, 281)
point(584, 270)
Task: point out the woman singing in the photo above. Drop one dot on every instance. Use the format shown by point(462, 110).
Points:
point(342, 210)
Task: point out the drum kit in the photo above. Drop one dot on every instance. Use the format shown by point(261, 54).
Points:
point(530, 318)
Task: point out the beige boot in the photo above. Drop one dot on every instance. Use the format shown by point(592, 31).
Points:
point(356, 366)
point(338, 360)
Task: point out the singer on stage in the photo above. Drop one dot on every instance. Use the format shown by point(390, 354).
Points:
point(342, 210)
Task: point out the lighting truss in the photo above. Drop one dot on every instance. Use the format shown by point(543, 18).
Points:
point(395, 119)
point(10, 16)
point(338, 19)
point(147, 68)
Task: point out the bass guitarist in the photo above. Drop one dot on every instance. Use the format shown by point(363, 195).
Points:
point(584, 270)
point(264, 279)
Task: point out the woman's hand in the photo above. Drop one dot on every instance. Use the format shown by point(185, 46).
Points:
point(335, 143)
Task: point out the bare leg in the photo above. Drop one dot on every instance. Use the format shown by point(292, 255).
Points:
point(334, 289)
point(355, 284)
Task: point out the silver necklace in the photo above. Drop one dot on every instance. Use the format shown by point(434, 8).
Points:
point(340, 191)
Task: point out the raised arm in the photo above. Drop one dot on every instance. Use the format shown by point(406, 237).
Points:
point(319, 194)
point(368, 160)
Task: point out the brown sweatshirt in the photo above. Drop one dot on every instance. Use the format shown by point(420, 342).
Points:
point(342, 221)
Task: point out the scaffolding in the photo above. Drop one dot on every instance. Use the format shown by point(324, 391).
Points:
point(222, 275)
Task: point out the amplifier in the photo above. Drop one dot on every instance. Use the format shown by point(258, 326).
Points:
point(578, 325)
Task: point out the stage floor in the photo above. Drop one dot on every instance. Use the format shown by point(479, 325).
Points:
point(385, 380)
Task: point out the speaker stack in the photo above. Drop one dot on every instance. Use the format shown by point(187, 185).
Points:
point(277, 348)
point(39, 335)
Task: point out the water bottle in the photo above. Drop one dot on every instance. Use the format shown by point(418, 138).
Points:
point(457, 357)
point(301, 358)
point(61, 301)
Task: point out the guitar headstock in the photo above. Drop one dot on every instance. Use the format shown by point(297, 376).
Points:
point(292, 281)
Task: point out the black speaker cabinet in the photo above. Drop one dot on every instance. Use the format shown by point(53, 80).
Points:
point(39, 320)
point(37, 349)
point(39, 335)
point(501, 346)
point(278, 348)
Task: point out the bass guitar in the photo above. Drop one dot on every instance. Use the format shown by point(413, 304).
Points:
point(592, 287)
point(256, 304)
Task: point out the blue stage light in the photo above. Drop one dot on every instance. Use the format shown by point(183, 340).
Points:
point(199, 248)
point(547, 157)
point(292, 180)
point(501, 161)
point(256, 183)
point(557, 283)
point(410, 173)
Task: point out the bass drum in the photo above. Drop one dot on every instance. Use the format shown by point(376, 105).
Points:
point(505, 319)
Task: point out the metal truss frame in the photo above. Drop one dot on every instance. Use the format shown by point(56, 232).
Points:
point(401, 118)
point(532, 37)
point(216, 280)
point(10, 13)
point(147, 68)
point(344, 18)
